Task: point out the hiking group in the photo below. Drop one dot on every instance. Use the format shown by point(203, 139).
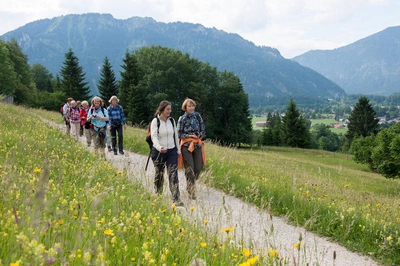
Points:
point(97, 122)
point(172, 145)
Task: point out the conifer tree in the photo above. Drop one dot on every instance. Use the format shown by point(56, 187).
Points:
point(73, 78)
point(362, 121)
point(107, 85)
point(129, 79)
point(296, 133)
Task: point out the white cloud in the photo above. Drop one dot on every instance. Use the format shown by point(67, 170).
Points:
point(292, 26)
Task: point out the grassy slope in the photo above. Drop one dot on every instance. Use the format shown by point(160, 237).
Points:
point(60, 205)
point(326, 192)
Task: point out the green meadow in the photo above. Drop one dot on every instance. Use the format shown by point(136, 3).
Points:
point(59, 193)
point(254, 120)
point(60, 205)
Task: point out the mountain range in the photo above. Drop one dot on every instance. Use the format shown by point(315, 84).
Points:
point(368, 66)
point(264, 73)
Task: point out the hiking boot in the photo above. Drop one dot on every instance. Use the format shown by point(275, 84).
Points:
point(121, 152)
point(109, 149)
point(115, 153)
point(192, 197)
point(179, 203)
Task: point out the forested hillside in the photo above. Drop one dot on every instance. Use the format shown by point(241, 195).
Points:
point(265, 74)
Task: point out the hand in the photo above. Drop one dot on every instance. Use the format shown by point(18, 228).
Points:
point(163, 150)
point(125, 126)
point(194, 136)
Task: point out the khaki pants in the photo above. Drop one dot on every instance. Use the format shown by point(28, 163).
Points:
point(75, 130)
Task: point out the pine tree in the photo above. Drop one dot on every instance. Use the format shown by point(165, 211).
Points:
point(362, 121)
point(129, 79)
point(72, 78)
point(107, 85)
point(296, 133)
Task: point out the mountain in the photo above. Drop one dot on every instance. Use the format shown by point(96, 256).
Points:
point(265, 74)
point(368, 66)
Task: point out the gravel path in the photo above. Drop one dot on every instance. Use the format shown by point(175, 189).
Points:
point(255, 227)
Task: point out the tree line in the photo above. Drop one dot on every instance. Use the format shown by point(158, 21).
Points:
point(149, 75)
point(377, 148)
point(156, 73)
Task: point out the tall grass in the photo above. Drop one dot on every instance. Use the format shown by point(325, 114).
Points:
point(60, 205)
point(325, 192)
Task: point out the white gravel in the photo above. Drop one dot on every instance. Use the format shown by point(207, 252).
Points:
point(255, 227)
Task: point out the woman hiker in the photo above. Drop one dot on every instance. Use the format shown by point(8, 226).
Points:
point(191, 131)
point(165, 150)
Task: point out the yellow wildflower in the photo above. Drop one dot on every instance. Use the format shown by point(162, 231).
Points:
point(246, 252)
point(203, 244)
point(37, 170)
point(108, 232)
point(272, 253)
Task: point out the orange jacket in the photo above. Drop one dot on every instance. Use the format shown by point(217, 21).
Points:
point(191, 149)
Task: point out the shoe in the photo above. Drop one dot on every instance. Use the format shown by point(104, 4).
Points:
point(179, 203)
point(115, 153)
point(192, 197)
point(109, 149)
point(121, 152)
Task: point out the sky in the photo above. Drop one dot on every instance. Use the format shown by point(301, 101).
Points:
point(291, 26)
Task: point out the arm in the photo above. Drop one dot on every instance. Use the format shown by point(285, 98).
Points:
point(154, 134)
point(202, 126)
point(105, 115)
point(123, 117)
point(181, 128)
point(178, 146)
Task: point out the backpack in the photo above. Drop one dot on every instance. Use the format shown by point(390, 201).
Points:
point(62, 109)
point(148, 137)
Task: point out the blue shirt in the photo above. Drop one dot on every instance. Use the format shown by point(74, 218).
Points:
point(98, 123)
point(116, 114)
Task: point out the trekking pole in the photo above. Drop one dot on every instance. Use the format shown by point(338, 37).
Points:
point(148, 159)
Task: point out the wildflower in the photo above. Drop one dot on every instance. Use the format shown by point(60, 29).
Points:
point(246, 252)
point(307, 193)
point(108, 232)
point(253, 260)
point(203, 244)
point(64, 155)
point(163, 211)
point(37, 170)
point(60, 222)
point(132, 259)
point(347, 185)
point(272, 253)
point(192, 208)
point(297, 245)
point(205, 222)
point(227, 230)
point(15, 263)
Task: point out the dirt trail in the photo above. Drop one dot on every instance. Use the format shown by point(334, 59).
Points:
point(256, 227)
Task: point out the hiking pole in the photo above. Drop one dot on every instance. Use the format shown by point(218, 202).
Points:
point(148, 159)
